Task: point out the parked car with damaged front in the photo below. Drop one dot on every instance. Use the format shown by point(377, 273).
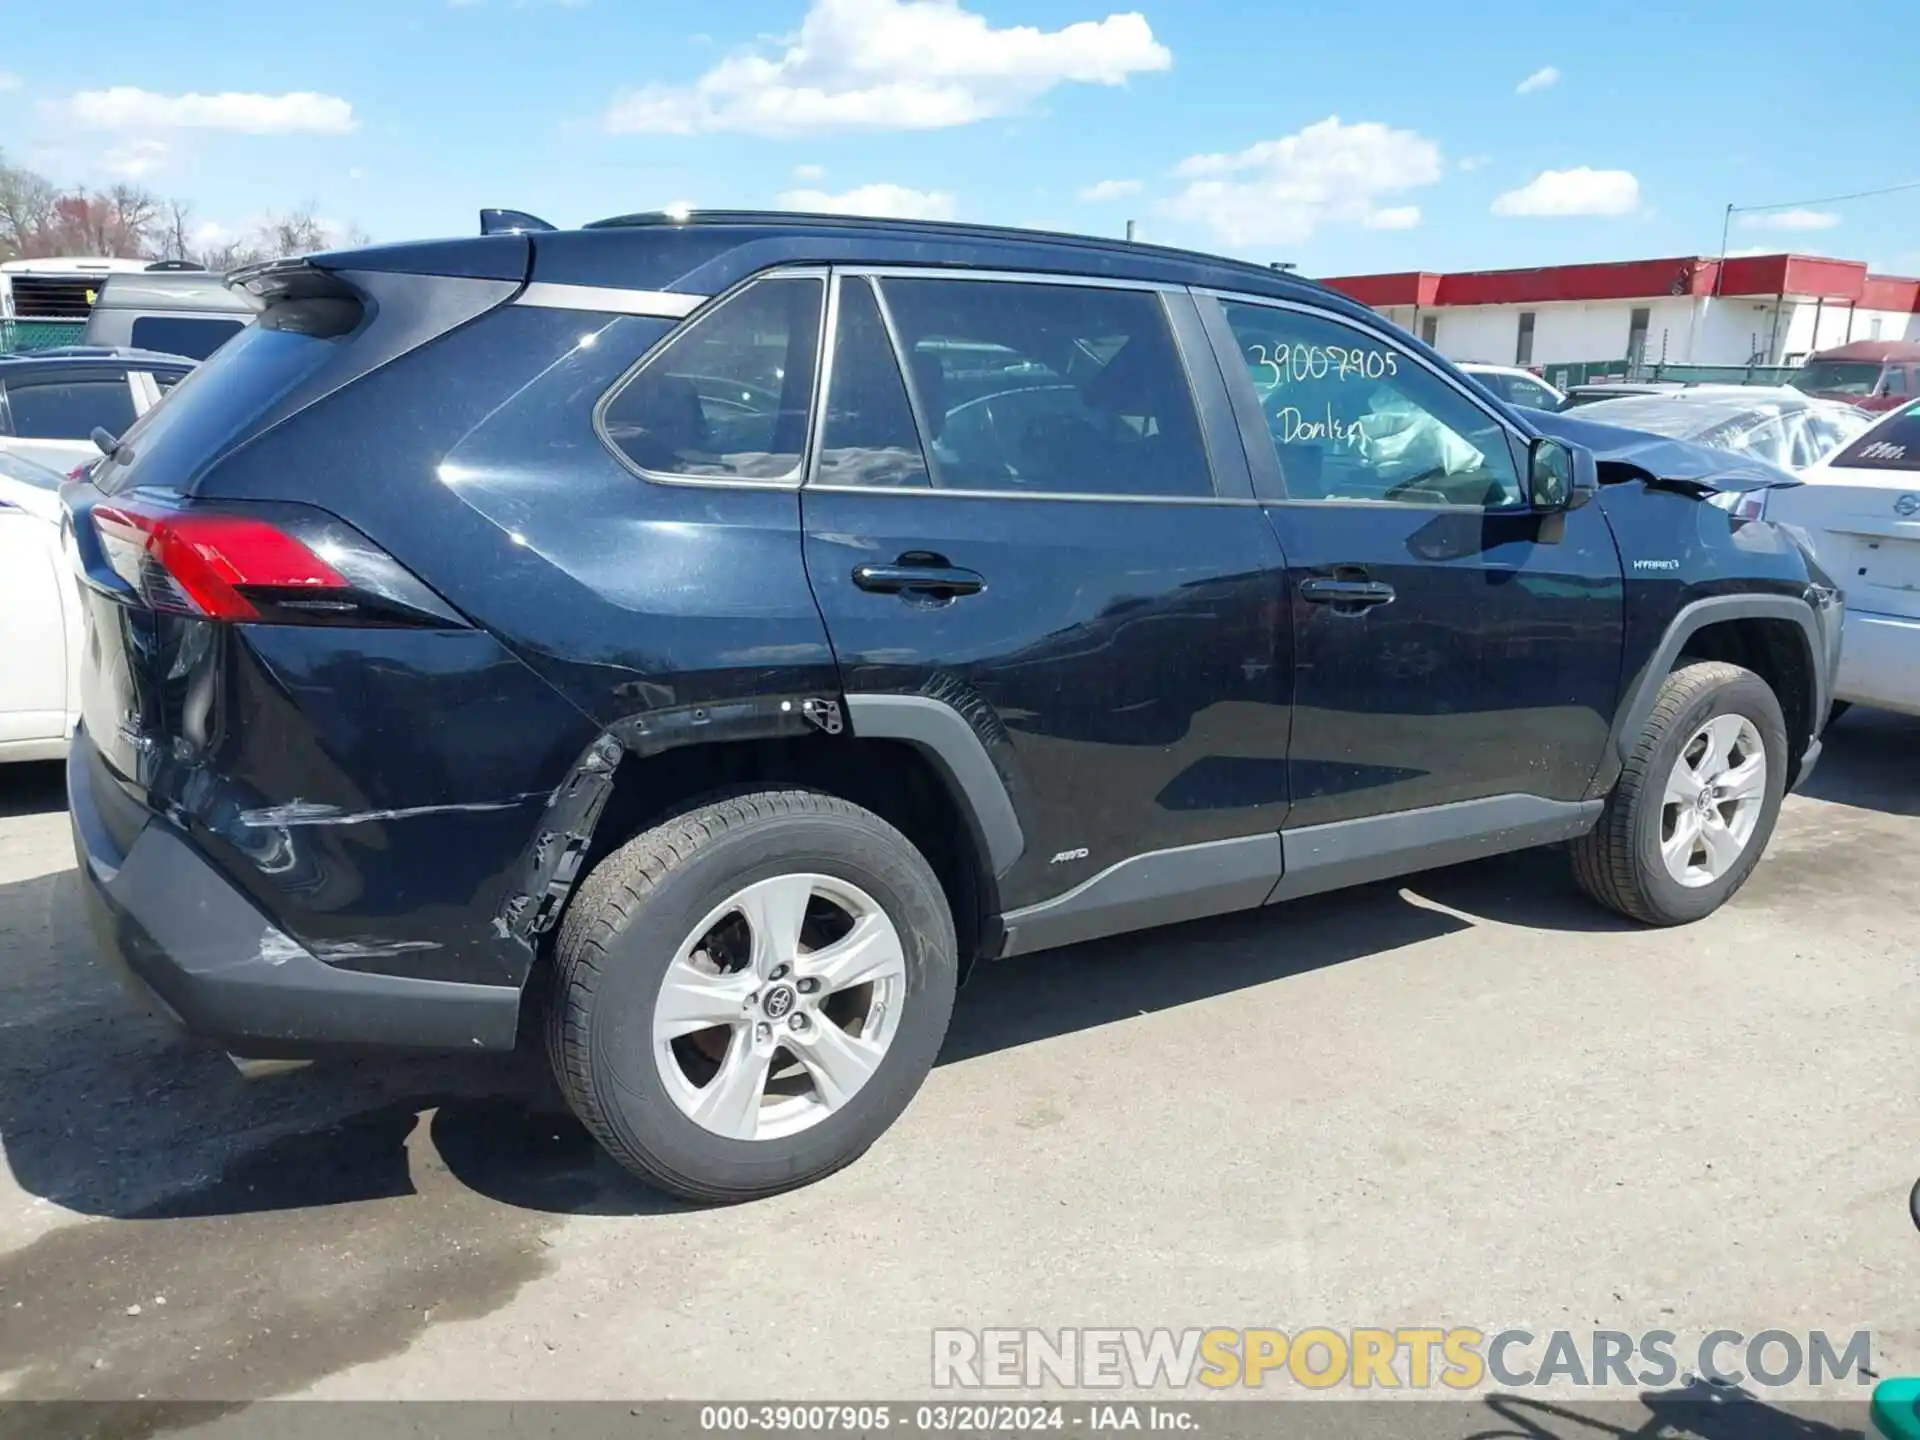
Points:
point(718, 634)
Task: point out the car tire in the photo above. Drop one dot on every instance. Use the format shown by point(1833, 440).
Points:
point(1639, 860)
point(641, 936)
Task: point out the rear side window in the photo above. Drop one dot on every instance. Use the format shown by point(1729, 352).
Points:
point(183, 335)
point(869, 437)
point(1894, 445)
point(1048, 389)
point(728, 397)
point(69, 409)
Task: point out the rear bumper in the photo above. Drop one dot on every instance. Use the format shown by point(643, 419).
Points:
point(185, 938)
point(1880, 662)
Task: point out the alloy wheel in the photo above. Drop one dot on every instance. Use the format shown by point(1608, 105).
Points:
point(1713, 800)
point(779, 1007)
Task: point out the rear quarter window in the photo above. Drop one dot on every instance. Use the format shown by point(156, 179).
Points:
point(1894, 445)
point(192, 336)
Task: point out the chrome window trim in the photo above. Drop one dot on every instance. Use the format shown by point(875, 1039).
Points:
point(610, 300)
point(1076, 496)
point(1518, 440)
point(1016, 277)
point(1159, 289)
point(793, 479)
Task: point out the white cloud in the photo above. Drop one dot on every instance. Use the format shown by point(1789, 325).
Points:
point(1470, 163)
point(354, 172)
point(897, 201)
point(127, 108)
point(213, 233)
point(1281, 191)
point(1400, 217)
point(891, 65)
point(1580, 191)
point(1544, 78)
point(1111, 190)
point(812, 173)
point(9, 81)
point(1791, 220)
point(137, 158)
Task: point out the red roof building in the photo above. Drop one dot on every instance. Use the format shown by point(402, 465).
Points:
point(1746, 309)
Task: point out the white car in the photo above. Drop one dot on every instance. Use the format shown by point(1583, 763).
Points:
point(1861, 509)
point(1515, 386)
point(40, 625)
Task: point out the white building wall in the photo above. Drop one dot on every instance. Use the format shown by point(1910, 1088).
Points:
point(1566, 332)
point(1681, 330)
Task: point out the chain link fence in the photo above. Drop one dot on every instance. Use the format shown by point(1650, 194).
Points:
point(1595, 372)
point(21, 335)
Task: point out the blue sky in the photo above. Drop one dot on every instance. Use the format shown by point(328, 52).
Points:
point(1369, 136)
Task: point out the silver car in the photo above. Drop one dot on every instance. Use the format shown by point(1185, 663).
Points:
point(1771, 423)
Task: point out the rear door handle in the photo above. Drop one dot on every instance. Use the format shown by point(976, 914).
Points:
point(1346, 594)
point(943, 581)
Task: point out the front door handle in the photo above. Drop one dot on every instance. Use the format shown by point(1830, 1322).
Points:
point(1347, 595)
point(937, 581)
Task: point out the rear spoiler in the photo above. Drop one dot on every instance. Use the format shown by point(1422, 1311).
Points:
point(291, 279)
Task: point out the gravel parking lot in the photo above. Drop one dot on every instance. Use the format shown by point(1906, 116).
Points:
point(1471, 1099)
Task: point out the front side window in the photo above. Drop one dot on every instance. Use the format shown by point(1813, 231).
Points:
point(69, 409)
point(1044, 388)
point(728, 397)
point(1353, 417)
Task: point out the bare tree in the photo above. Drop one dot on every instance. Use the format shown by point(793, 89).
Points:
point(136, 216)
point(27, 202)
point(39, 218)
point(176, 231)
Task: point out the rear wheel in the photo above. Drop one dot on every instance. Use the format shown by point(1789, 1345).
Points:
point(747, 996)
point(1696, 801)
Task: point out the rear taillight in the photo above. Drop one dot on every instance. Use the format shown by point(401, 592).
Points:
point(206, 564)
point(1741, 504)
point(274, 565)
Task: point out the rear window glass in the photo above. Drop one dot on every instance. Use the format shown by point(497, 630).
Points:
point(183, 335)
point(217, 400)
point(1892, 446)
point(1837, 377)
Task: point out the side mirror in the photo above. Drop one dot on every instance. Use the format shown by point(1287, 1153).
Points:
point(1556, 477)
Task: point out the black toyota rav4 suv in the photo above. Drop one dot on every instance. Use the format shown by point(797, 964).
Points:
point(729, 628)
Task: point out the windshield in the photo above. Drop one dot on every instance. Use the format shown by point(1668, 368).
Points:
point(1837, 377)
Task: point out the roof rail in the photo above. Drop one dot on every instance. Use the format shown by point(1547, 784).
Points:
point(952, 228)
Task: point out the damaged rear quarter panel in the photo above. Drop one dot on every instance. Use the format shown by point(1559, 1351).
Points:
point(372, 790)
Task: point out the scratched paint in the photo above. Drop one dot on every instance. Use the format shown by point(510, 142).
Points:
point(308, 812)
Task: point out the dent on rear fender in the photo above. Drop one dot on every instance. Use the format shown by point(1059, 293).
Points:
point(554, 859)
